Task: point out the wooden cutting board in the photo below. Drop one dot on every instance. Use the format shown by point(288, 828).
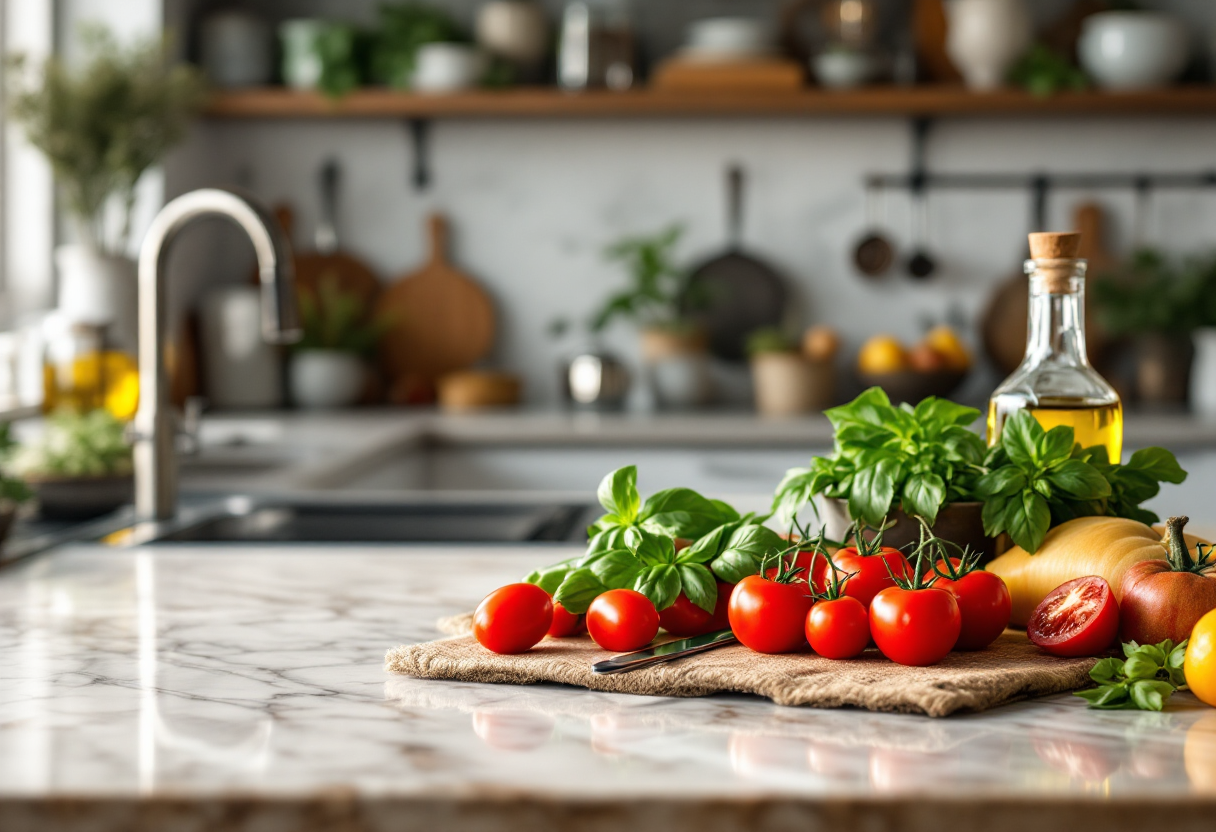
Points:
point(440, 319)
point(350, 274)
point(1004, 324)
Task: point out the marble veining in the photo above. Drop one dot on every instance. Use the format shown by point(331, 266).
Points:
point(208, 672)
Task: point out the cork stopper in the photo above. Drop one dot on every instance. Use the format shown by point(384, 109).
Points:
point(1056, 260)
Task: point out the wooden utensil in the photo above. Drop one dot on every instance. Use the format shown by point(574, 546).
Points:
point(682, 73)
point(440, 320)
point(1003, 329)
point(734, 294)
point(478, 389)
point(329, 262)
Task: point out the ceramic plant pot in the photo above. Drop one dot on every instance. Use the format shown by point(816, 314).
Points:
point(677, 363)
point(1133, 50)
point(786, 384)
point(985, 37)
point(959, 523)
point(326, 379)
point(99, 290)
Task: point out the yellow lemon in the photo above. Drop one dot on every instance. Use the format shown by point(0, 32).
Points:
point(1200, 664)
point(882, 354)
point(945, 341)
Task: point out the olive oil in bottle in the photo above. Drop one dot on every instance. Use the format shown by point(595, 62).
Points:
point(1055, 381)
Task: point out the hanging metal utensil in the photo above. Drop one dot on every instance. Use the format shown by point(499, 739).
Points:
point(921, 264)
point(874, 252)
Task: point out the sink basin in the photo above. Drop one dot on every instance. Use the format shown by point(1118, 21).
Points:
point(323, 520)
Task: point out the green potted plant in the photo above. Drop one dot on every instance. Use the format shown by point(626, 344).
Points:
point(785, 382)
point(675, 350)
point(101, 125)
point(13, 490)
point(80, 467)
point(328, 366)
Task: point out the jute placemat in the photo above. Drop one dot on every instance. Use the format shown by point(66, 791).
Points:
point(1011, 669)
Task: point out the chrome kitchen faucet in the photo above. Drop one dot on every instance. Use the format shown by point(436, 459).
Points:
point(155, 429)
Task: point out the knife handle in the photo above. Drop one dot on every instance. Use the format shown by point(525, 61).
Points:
point(655, 655)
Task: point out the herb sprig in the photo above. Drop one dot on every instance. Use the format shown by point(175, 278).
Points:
point(1143, 680)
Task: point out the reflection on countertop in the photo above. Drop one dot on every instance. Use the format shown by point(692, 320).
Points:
point(252, 679)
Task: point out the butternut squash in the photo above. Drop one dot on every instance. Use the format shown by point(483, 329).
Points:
point(1105, 546)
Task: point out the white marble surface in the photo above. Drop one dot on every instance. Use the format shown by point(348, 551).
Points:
point(211, 675)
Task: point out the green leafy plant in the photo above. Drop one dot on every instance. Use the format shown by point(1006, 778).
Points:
point(1038, 479)
point(92, 444)
point(658, 285)
point(633, 546)
point(12, 488)
point(1042, 71)
point(103, 125)
point(770, 340)
point(404, 28)
point(1152, 294)
point(1143, 680)
point(343, 53)
point(917, 459)
point(337, 320)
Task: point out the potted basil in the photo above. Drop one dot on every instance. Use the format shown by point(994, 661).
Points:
point(329, 365)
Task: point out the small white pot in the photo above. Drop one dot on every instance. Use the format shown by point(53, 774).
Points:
point(985, 37)
point(99, 290)
point(517, 30)
point(1133, 50)
point(448, 67)
point(324, 379)
point(1203, 372)
point(301, 61)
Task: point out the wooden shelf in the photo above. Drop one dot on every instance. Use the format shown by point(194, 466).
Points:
point(551, 103)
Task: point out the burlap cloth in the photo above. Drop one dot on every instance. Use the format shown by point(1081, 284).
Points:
point(1009, 670)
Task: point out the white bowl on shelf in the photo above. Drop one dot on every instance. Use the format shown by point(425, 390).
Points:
point(729, 36)
point(1133, 50)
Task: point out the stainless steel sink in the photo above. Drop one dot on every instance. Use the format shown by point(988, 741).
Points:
point(329, 520)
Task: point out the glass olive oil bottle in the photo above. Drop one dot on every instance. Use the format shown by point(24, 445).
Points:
point(1055, 381)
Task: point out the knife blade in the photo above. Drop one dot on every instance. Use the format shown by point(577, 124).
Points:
point(665, 652)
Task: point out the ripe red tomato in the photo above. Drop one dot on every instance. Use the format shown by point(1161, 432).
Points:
point(838, 629)
point(684, 618)
point(813, 569)
point(770, 617)
point(565, 623)
point(985, 604)
point(916, 627)
point(622, 620)
point(872, 576)
point(513, 618)
point(1078, 618)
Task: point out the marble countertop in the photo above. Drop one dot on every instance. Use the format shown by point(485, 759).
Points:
point(242, 688)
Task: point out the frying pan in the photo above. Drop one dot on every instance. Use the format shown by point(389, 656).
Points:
point(733, 294)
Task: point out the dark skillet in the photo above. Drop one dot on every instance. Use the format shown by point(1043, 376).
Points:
point(734, 294)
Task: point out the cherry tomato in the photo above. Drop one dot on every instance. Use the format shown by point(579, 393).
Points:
point(770, 617)
point(621, 620)
point(916, 627)
point(513, 618)
point(838, 629)
point(872, 576)
point(1078, 618)
point(985, 604)
point(684, 618)
point(564, 623)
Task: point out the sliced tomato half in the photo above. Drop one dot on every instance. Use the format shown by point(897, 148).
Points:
point(1078, 618)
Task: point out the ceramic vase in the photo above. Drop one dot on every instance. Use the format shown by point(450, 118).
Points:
point(326, 379)
point(99, 290)
point(985, 37)
point(677, 363)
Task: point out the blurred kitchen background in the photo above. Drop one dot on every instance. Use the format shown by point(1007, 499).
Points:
point(683, 208)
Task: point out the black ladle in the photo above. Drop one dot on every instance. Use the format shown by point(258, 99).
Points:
point(873, 254)
point(921, 264)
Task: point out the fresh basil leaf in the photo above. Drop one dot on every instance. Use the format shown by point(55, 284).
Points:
point(550, 577)
point(871, 407)
point(1150, 695)
point(745, 552)
point(1106, 671)
point(1129, 649)
point(617, 569)
point(578, 590)
point(1080, 480)
point(1027, 521)
point(1140, 666)
point(1055, 445)
point(923, 495)
point(618, 493)
point(964, 445)
point(993, 514)
point(1106, 697)
point(1157, 463)
point(945, 412)
point(650, 548)
point(661, 584)
point(1020, 439)
point(873, 490)
point(682, 512)
point(1155, 653)
point(698, 583)
point(1177, 655)
point(708, 547)
point(608, 539)
point(1003, 482)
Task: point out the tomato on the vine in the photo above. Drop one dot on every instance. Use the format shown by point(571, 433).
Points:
point(983, 601)
point(684, 618)
point(838, 626)
point(513, 618)
point(917, 626)
point(1077, 618)
point(565, 623)
point(622, 620)
point(871, 566)
point(769, 614)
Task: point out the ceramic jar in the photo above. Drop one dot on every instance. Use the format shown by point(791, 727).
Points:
point(1133, 50)
point(447, 67)
point(786, 384)
point(985, 37)
point(516, 30)
point(678, 367)
point(99, 290)
point(326, 379)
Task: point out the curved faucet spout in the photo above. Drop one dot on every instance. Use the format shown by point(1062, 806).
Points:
point(155, 428)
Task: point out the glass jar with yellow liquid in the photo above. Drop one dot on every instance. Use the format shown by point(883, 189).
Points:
point(1055, 381)
point(81, 373)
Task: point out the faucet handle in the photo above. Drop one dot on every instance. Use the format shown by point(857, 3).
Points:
point(188, 442)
